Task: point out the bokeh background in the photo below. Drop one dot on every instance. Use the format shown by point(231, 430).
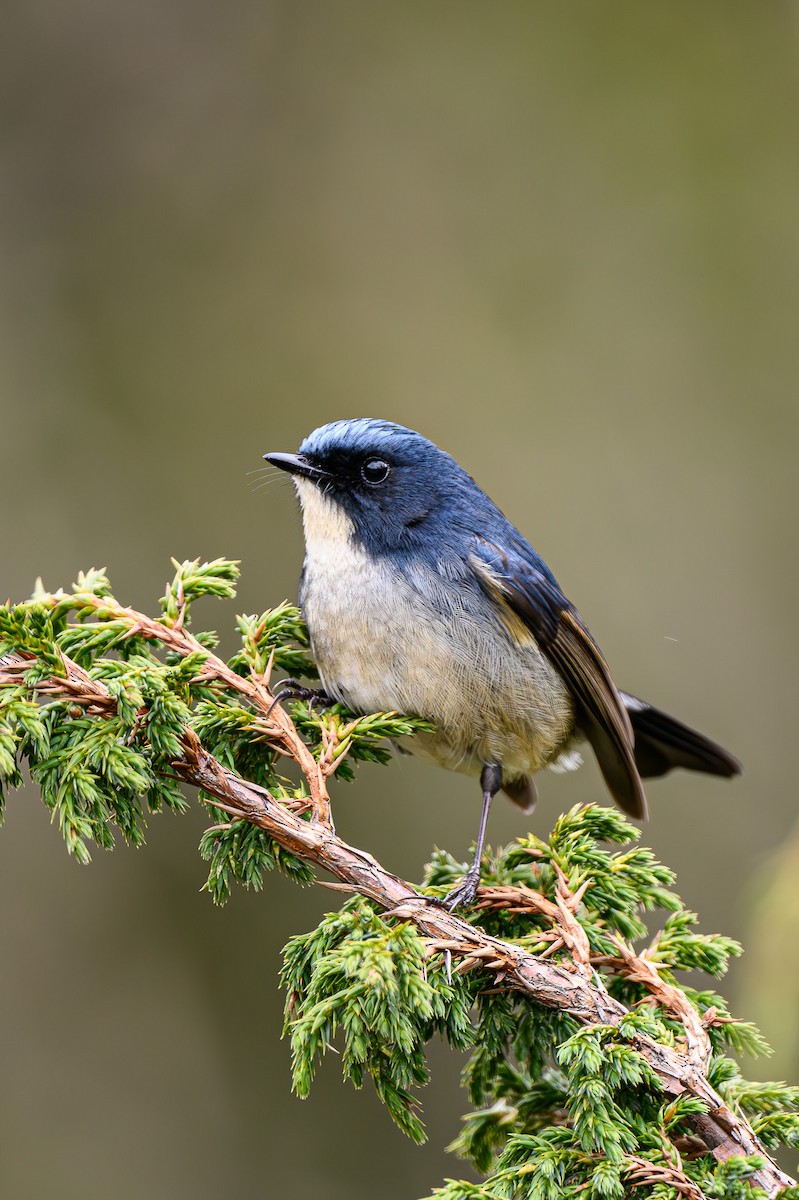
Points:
point(559, 239)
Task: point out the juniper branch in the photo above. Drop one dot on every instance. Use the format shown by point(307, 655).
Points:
point(573, 967)
point(575, 991)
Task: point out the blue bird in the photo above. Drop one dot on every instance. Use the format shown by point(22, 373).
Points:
point(422, 598)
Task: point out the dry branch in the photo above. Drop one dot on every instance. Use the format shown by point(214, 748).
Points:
point(575, 988)
point(724, 1132)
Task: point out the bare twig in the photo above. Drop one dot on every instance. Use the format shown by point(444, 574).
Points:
point(77, 686)
point(640, 969)
point(641, 1173)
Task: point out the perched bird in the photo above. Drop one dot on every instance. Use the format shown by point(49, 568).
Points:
point(421, 597)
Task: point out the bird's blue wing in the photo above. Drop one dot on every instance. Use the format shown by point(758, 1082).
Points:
point(515, 578)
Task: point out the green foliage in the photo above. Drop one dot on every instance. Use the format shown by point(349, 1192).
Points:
point(356, 739)
point(31, 628)
point(97, 703)
point(681, 950)
point(193, 580)
point(105, 767)
point(240, 852)
point(23, 732)
point(368, 978)
point(623, 885)
point(277, 636)
point(567, 1111)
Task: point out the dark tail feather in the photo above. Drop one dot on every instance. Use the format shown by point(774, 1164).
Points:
point(522, 792)
point(662, 743)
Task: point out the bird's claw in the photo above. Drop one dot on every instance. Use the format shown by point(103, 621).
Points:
point(462, 896)
point(291, 689)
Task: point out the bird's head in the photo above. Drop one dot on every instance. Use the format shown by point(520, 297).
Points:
point(377, 483)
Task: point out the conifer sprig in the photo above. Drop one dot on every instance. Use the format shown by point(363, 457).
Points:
point(593, 1070)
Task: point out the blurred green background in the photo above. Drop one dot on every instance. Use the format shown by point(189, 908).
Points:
point(559, 239)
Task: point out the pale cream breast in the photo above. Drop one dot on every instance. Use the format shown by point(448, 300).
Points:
point(424, 645)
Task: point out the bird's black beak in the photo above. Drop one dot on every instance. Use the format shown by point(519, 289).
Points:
point(296, 464)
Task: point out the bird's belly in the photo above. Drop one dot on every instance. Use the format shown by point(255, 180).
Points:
point(441, 654)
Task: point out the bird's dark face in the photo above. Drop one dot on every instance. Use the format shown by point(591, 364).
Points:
point(374, 482)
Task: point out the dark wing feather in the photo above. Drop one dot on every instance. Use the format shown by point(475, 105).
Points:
point(518, 578)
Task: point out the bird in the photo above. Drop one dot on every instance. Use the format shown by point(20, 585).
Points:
point(421, 597)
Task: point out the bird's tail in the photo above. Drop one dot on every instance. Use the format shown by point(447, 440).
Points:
point(662, 743)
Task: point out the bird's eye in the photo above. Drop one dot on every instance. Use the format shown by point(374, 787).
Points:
point(374, 470)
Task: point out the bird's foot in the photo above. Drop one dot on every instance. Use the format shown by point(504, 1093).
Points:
point(463, 896)
point(291, 689)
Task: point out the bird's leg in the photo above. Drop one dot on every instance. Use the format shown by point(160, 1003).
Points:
point(463, 895)
point(290, 689)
